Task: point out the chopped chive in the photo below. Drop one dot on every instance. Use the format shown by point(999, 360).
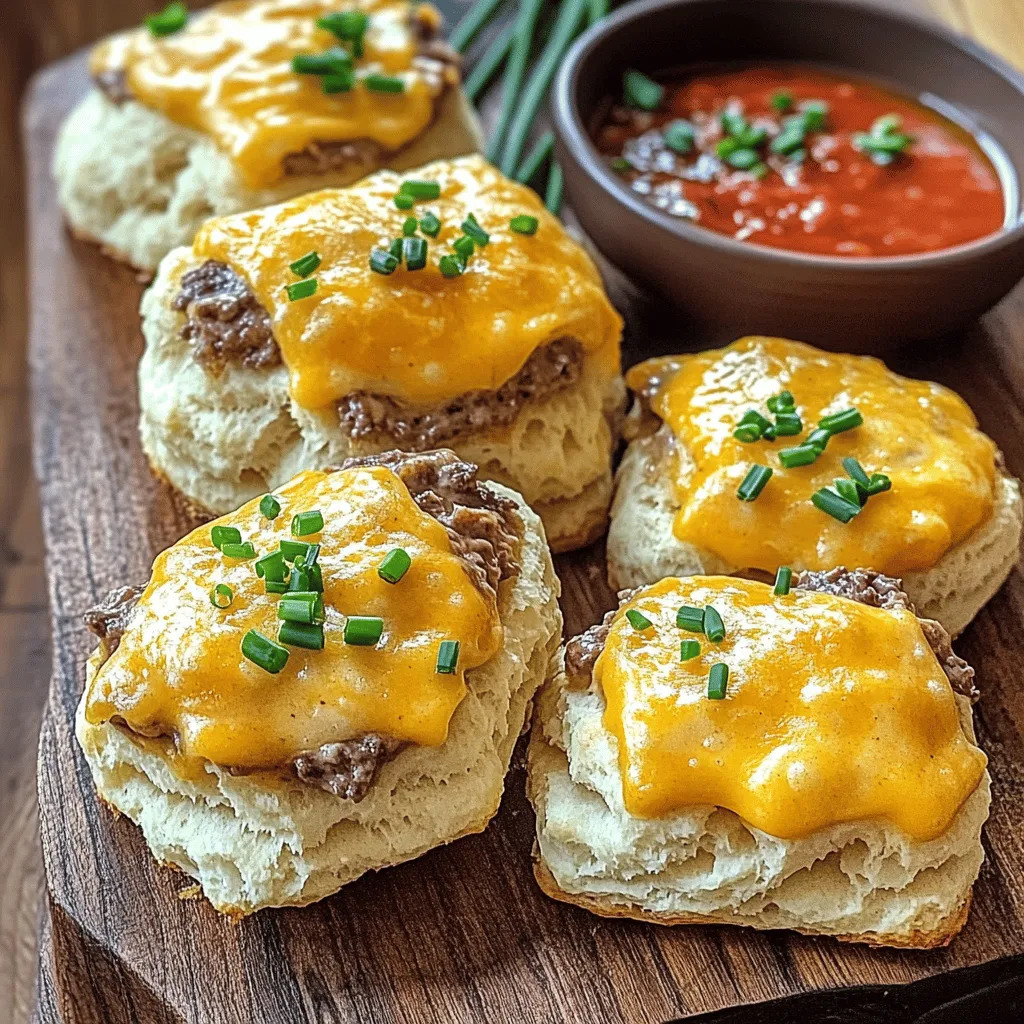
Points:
point(306, 523)
point(818, 438)
point(783, 579)
point(303, 606)
point(759, 170)
point(472, 228)
point(334, 61)
point(316, 578)
point(733, 123)
point(430, 225)
point(395, 248)
point(524, 224)
point(305, 265)
point(451, 266)
point(221, 596)
point(363, 630)
point(753, 483)
point(718, 681)
point(714, 627)
point(347, 25)
point(789, 140)
point(856, 471)
point(300, 582)
point(419, 189)
point(768, 434)
point(168, 21)
point(395, 565)
point(339, 81)
point(690, 618)
point(404, 202)
point(638, 620)
point(688, 649)
point(415, 253)
point(743, 159)
point(270, 507)
point(382, 261)
point(752, 418)
point(384, 83)
point(292, 549)
point(309, 635)
point(837, 422)
point(726, 146)
point(814, 113)
point(788, 424)
point(801, 455)
point(835, 505)
point(878, 483)
point(640, 91)
point(447, 657)
point(311, 557)
point(272, 587)
point(679, 136)
point(243, 551)
point(747, 433)
point(782, 101)
point(409, 226)
point(262, 651)
point(464, 247)
point(782, 402)
point(272, 567)
point(221, 535)
point(620, 165)
point(850, 490)
point(301, 289)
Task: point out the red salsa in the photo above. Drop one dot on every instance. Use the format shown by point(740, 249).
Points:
point(804, 160)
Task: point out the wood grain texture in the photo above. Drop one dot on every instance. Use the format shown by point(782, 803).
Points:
point(463, 934)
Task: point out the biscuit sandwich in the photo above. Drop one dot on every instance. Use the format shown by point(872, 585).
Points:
point(720, 751)
point(770, 453)
point(339, 324)
point(248, 103)
point(328, 681)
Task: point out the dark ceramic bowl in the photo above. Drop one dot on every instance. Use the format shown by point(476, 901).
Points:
point(729, 288)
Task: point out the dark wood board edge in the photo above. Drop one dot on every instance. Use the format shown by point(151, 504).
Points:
point(751, 966)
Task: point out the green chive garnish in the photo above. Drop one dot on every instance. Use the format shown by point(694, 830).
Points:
point(640, 91)
point(818, 438)
point(718, 680)
point(878, 483)
point(472, 228)
point(790, 139)
point(309, 635)
point(743, 159)
point(849, 490)
point(419, 189)
point(241, 551)
point(689, 649)
point(302, 606)
point(814, 113)
point(690, 618)
point(395, 248)
point(404, 202)
point(306, 523)
point(270, 507)
point(382, 262)
point(451, 266)
point(524, 224)
point(272, 567)
point(409, 226)
point(273, 587)
point(292, 549)
point(221, 595)
point(340, 81)
point(801, 455)
point(782, 101)
point(415, 252)
point(300, 582)
point(885, 141)
point(788, 424)
point(347, 25)
point(221, 535)
point(301, 289)
point(733, 123)
point(835, 505)
point(262, 651)
point(395, 565)
point(430, 225)
point(752, 418)
point(837, 422)
point(384, 83)
point(620, 165)
point(679, 136)
point(783, 579)
point(753, 483)
point(447, 657)
point(363, 630)
point(168, 21)
point(638, 620)
point(747, 433)
point(464, 247)
point(714, 627)
point(856, 471)
point(334, 61)
point(782, 402)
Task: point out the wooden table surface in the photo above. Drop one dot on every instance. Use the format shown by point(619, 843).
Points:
point(34, 35)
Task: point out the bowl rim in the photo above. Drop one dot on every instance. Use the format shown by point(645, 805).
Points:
point(574, 137)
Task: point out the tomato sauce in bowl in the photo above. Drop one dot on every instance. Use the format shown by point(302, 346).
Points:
point(804, 160)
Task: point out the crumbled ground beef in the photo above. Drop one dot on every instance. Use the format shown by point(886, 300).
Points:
point(549, 369)
point(226, 324)
point(346, 769)
point(109, 619)
point(862, 585)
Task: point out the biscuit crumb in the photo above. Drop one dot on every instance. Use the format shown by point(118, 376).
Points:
point(190, 892)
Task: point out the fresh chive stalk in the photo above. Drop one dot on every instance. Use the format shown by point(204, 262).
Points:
point(536, 158)
point(363, 630)
point(753, 483)
point(487, 66)
point(690, 618)
point(309, 635)
point(301, 289)
point(305, 523)
point(718, 681)
point(469, 26)
point(264, 652)
point(714, 627)
point(395, 565)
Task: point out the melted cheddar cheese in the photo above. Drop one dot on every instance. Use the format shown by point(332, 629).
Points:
point(179, 670)
point(228, 74)
point(834, 712)
point(416, 335)
point(920, 434)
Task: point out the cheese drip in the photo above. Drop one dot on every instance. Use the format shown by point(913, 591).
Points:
point(228, 74)
point(179, 670)
point(416, 335)
point(834, 712)
point(922, 435)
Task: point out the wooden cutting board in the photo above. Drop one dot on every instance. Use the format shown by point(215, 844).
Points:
point(463, 934)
